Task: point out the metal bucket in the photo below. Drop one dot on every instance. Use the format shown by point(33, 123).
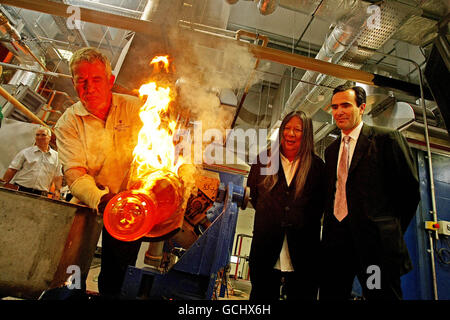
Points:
point(39, 239)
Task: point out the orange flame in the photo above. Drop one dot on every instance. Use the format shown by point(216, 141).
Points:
point(155, 150)
point(155, 191)
point(156, 60)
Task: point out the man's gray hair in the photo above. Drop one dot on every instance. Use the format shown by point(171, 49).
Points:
point(90, 55)
point(47, 129)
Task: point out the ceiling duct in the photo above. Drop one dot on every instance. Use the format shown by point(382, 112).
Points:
point(326, 10)
point(27, 78)
point(335, 46)
point(422, 28)
point(341, 47)
point(150, 10)
point(417, 29)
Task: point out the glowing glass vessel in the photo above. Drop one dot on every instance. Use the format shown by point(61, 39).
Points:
point(132, 214)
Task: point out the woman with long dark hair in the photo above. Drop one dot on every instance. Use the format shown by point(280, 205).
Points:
point(288, 200)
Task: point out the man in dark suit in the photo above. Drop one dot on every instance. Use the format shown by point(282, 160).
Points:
point(373, 195)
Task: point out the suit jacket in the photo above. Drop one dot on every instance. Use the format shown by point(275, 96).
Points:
point(382, 195)
point(277, 213)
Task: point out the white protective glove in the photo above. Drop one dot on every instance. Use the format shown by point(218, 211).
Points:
point(85, 189)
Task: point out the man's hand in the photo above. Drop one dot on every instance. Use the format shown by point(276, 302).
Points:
point(56, 195)
point(9, 174)
point(86, 190)
point(57, 182)
point(104, 202)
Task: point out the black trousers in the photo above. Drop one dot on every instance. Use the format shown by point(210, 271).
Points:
point(341, 262)
point(31, 190)
point(297, 285)
point(116, 257)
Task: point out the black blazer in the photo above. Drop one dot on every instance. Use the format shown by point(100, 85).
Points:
point(277, 213)
point(382, 194)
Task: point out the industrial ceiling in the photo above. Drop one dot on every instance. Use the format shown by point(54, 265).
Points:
point(246, 64)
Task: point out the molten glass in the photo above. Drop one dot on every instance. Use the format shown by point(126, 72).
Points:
point(151, 206)
point(132, 214)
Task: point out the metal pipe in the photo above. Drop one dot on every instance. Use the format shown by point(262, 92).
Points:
point(16, 103)
point(311, 64)
point(8, 57)
point(265, 40)
point(433, 266)
point(34, 56)
point(88, 15)
point(152, 29)
point(16, 38)
point(47, 73)
point(58, 92)
point(49, 105)
point(430, 165)
point(199, 26)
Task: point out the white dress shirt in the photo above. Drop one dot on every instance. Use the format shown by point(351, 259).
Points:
point(284, 261)
point(36, 169)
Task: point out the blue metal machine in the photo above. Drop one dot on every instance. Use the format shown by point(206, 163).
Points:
point(418, 284)
point(194, 275)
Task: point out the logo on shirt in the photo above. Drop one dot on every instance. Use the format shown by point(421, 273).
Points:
point(121, 126)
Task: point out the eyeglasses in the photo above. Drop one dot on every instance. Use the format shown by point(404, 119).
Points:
point(297, 131)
